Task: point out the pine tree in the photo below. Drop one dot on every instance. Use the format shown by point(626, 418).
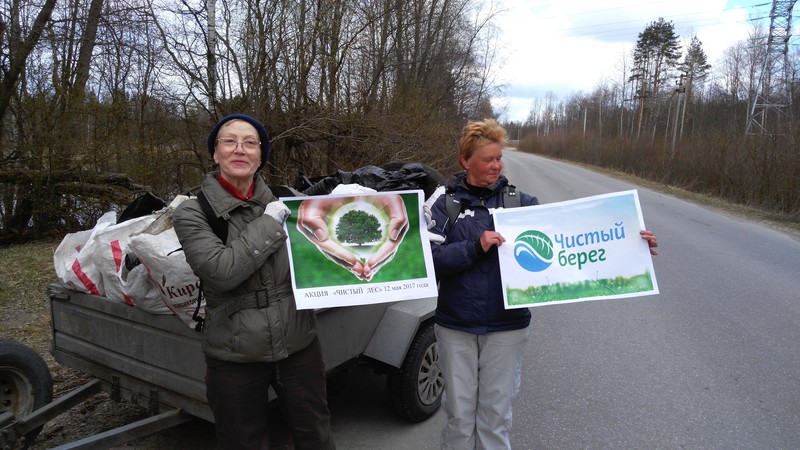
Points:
point(657, 51)
point(695, 68)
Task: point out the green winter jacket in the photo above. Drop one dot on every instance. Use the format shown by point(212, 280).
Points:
point(251, 314)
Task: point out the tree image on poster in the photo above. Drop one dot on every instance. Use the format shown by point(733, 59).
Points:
point(358, 227)
point(361, 236)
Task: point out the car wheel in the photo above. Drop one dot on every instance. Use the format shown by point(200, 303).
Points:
point(415, 389)
point(25, 383)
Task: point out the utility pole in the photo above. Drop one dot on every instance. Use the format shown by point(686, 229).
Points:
point(685, 99)
point(585, 111)
point(679, 90)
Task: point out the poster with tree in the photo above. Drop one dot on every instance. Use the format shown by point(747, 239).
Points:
point(360, 249)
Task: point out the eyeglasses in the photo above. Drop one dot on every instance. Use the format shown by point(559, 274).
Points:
point(229, 144)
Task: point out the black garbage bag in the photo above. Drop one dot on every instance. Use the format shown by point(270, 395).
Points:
point(143, 205)
point(396, 176)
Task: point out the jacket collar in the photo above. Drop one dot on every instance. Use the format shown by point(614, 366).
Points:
point(222, 202)
point(467, 194)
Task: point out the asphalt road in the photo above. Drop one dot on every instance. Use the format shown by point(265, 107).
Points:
point(711, 362)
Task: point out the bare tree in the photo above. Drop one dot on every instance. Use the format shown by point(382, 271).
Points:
point(18, 41)
point(132, 85)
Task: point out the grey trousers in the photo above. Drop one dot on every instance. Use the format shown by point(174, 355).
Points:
point(482, 377)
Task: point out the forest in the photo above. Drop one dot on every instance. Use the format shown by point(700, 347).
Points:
point(671, 117)
point(103, 100)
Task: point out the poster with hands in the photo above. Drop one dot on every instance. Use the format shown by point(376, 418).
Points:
point(347, 250)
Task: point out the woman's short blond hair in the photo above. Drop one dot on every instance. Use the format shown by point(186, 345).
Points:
point(477, 134)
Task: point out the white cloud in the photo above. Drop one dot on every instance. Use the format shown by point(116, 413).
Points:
point(568, 46)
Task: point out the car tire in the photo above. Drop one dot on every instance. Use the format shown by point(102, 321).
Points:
point(25, 383)
point(415, 389)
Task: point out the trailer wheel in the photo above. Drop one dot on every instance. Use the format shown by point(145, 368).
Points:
point(415, 389)
point(25, 383)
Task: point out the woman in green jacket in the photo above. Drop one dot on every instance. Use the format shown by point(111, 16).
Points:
point(254, 336)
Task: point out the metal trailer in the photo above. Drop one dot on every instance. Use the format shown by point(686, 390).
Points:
point(156, 361)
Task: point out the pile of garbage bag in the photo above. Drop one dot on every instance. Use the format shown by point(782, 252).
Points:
point(395, 176)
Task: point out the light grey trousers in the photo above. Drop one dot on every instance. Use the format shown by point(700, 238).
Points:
point(482, 377)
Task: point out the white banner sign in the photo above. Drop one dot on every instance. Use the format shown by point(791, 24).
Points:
point(578, 250)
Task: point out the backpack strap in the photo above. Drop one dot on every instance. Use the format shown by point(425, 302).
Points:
point(510, 197)
point(510, 200)
point(453, 207)
point(220, 227)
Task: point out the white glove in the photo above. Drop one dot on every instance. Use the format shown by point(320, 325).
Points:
point(426, 210)
point(278, 211)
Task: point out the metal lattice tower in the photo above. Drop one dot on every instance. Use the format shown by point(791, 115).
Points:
point(771, 109)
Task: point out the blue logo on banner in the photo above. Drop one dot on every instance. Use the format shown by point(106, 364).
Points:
point(533, 251)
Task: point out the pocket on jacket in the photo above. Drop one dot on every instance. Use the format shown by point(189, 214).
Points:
point(299, 326)
point(218, 332)
point(252, 336)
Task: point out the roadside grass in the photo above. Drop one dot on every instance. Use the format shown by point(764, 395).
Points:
point(782, 222)
point(26, 270)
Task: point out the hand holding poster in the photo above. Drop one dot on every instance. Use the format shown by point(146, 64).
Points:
point(359, 249)
point(578, 250)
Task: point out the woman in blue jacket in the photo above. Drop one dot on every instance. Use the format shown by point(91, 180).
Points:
point(480, 342)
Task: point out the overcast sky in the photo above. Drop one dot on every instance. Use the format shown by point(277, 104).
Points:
point(567, 46)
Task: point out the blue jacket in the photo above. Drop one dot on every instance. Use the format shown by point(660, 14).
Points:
point(470, 289)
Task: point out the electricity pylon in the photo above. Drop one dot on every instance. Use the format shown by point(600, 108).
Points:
point(771, 110)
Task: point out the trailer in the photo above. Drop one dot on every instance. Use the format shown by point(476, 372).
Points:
point(156, 361)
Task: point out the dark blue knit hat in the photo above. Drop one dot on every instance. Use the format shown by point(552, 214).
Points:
point(262, 135)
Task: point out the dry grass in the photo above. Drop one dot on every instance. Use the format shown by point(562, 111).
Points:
point(24, 308)
point(787, 224)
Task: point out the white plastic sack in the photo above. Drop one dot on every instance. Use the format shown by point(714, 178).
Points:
point(162, 255)
point(352, 189)
point(109, 253)
point(145, 294)
point(74, 261)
